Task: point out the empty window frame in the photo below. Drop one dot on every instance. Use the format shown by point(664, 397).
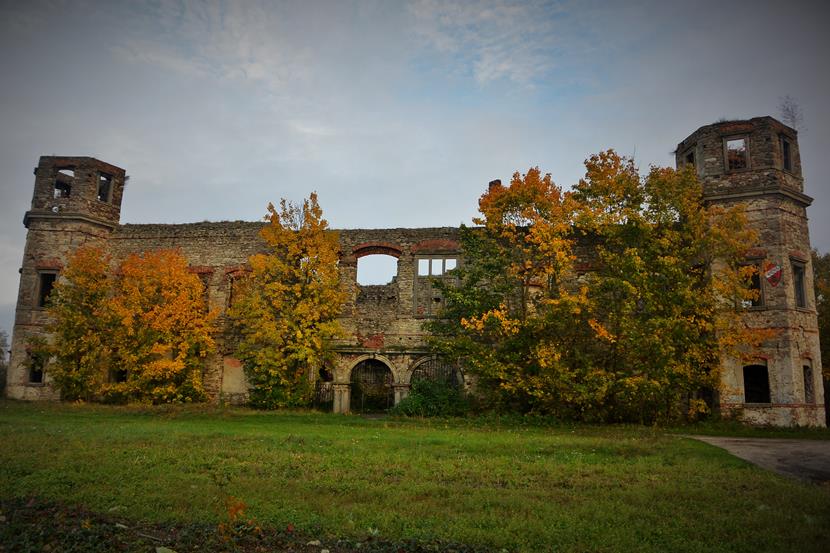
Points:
point(736, 153)
point(755, 284)
point(63, 183)
point(36, 365)
point(104, 187)
point(45, 284)
point(798, 283)
point(809, 392)
point(436, 266)
point(689, 158)
point(786, 153)
point(756, 384)
point(118, 376)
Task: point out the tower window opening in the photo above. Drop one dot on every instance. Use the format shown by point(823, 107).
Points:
point(63, 183)
point(786, 154)
point(756, 288)
point(104, 187)
point(798, 284)
point(809, 393)
point(36, 360)
point(736, 154)
point(62, 190)
point(46, 282)
point(690, 158)
point(756, 384)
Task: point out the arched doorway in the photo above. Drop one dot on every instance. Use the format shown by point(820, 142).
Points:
point(371, 387)
point(437, 369)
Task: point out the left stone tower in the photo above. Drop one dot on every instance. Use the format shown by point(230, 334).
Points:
point(76, 201)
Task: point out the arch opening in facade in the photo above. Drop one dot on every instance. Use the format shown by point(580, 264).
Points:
point(437, 369)
point(371, 387)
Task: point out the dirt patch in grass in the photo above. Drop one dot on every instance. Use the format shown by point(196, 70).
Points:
point(31, 524)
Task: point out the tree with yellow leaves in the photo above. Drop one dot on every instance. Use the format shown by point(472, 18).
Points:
point(637, 332)
point(141, 335)
point(82, 319)
point(288, 303)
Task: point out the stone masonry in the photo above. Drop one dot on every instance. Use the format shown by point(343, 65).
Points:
point(77, 201)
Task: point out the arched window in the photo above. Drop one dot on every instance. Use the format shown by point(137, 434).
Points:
point(376, 269)
point(438, 370)
point(756, 384)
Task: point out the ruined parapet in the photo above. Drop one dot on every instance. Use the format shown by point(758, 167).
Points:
point(755, 163)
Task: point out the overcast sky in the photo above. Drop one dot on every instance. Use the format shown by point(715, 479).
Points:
point(396, 113)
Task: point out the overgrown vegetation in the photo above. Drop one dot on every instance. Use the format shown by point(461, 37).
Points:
point(433, 398)
point(136, 333)
point(170, 472)
point(821, 281)
point(636, 333)
point(286, 307)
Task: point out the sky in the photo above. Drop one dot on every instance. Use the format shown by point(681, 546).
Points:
point(396, 113)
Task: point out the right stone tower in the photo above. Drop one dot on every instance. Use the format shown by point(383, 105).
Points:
point(756, 163)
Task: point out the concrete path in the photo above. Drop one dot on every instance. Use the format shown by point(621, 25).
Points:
point(803, 459)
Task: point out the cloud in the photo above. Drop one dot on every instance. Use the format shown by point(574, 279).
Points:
point(514, 40)
point(246, 41)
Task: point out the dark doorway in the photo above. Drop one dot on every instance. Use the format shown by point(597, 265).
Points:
point(372, 390)
point(756, 384)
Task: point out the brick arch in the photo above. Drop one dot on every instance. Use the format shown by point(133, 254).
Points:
point(372, 248)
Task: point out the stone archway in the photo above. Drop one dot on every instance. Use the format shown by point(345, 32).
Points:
point(371, 386)
point(437, 369)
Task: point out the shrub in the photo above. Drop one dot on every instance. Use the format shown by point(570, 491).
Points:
point(431, 398)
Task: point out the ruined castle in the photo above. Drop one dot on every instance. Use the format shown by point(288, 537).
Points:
point(756, 163)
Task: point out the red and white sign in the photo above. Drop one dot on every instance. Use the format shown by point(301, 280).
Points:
point(772, 273)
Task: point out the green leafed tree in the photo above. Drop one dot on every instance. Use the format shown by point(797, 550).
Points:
point(285, 308)
point(821, 274)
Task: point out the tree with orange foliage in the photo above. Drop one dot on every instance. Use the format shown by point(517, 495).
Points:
point(638, 333)
point(288, 304)
point(164, 329)
point(139, 336)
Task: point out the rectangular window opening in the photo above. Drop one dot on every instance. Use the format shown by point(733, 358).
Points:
point(756, 384)
point(118, 376)
point(756, 287)
point(62, 190)
point(798, 284)
point(786, 154)
point(104, 187)
point(45, 285)
point(809, 393)
point(423, 267)
point(690, 158)
point(37, 363)
point(449, 264)
point(436, 267)
point(736, 154)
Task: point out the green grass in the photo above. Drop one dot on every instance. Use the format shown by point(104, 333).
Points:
point(483, 483)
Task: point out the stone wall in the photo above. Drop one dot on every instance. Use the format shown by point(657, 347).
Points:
point(771, 195)
point(383, 323)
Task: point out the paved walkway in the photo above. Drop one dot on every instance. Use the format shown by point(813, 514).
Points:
point(803, 459)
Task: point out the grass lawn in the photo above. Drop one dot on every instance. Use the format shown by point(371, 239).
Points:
point(483, 484)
